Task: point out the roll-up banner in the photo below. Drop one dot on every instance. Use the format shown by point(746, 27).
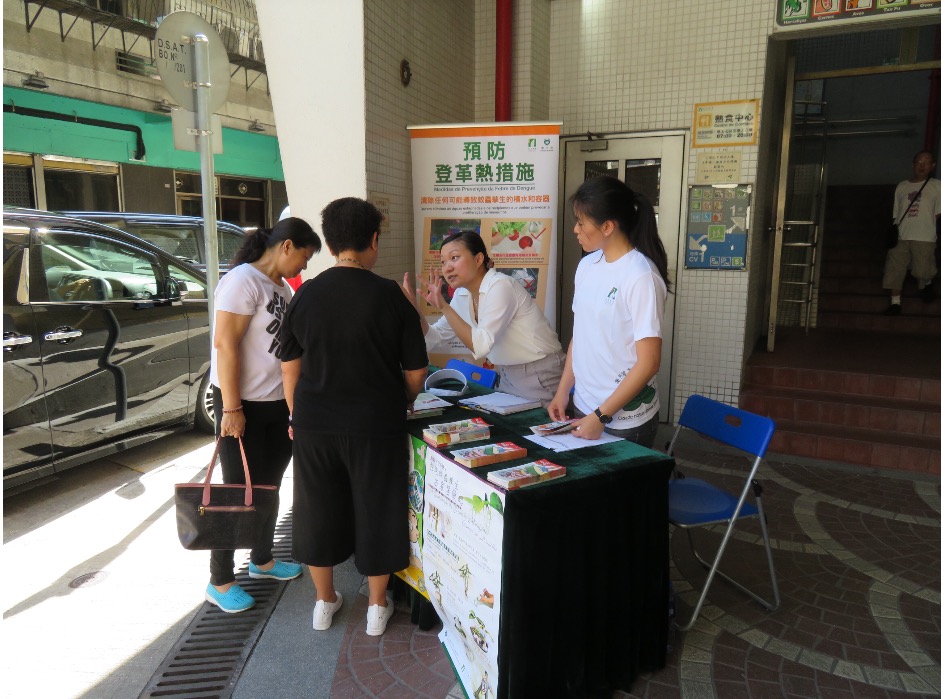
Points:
point(500, 180)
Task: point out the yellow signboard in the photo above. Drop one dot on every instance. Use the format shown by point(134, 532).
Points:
point(733, 123)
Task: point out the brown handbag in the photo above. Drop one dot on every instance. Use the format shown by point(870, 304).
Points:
point(222, 516)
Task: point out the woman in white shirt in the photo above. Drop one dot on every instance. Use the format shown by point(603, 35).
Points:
point(248, 398)
point(620, 291)
point(494, 317)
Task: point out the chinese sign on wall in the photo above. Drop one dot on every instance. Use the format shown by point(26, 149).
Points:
point(717, 226)
point(793, 13)
point(718, 168)
point(499, 180)
point(732, 123)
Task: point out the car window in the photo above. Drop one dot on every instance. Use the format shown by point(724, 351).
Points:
point(192, 288)
point(12, 271)
point(230, 243)
point(88, 268)
point(179, 242)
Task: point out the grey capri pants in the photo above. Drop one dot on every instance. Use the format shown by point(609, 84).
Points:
point(536, 380)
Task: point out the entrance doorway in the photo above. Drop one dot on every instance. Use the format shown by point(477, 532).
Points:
point(653, 166)
point(843, 380)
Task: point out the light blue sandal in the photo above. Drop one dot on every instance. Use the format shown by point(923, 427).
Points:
point(280, 571)
point(233, 601)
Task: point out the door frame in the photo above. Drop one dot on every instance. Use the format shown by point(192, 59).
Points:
point(674, 261)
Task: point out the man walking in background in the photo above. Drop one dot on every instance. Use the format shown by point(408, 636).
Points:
point(917, 209)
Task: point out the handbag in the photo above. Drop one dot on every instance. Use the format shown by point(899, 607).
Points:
point(892, 233)
point(222, 516)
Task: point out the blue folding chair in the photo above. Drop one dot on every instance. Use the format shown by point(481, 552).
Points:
point(481, 375)
point(696, 503)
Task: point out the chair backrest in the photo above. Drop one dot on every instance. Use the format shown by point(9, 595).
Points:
point(481, 375)
point(732, 426)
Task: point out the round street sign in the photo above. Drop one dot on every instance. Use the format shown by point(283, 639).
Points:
point(175, 59)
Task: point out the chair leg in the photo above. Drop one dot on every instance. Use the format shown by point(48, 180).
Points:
point(774, 578)
point(713, 569)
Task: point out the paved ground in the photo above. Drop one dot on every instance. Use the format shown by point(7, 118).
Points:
point(857, 555)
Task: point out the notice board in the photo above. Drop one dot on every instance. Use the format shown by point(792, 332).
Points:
point(717, 226)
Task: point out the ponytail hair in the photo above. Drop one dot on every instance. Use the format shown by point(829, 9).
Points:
point(606, 198)
point(293, 229)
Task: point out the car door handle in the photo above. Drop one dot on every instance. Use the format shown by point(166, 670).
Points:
point(62, 335)
point(15, 341)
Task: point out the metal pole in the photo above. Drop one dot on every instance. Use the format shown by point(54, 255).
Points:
point(202, 102)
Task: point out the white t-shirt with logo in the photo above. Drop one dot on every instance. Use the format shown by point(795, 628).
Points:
point(615, 304)
point(919, 223)
point(246, 291)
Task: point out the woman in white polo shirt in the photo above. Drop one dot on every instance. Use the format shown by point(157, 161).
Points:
point(620, 292)
point(494, 317)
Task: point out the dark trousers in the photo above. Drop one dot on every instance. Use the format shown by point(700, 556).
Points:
point(268, 452)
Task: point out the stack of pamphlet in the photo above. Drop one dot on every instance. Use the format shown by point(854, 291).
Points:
point(501, 403)
point(474, 457)
point(427, 405)
point(526, 474)
point(456, 432)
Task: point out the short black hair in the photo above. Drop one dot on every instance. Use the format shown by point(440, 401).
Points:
point(350, 224)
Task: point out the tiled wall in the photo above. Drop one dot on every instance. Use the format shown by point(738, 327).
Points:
point(438, 39)
point(620, 66)
point(607, 66)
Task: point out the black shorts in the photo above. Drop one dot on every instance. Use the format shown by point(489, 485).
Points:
point(350, 497)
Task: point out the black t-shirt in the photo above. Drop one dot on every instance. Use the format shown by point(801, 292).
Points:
point(356, 333)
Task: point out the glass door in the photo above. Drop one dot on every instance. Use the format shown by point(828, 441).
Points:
point(653, 166)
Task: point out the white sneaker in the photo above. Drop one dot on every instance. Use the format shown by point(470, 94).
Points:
point(378, 616)
point(324, 611)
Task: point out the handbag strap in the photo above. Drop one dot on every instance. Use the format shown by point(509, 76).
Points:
point(248, 497)
point(912, 201)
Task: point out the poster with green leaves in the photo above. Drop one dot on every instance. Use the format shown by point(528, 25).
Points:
point(463, 525)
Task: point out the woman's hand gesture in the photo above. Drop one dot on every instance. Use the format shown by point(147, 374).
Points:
point(434, 293)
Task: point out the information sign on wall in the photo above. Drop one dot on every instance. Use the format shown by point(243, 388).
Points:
point(797, 13)
point(733, 123)
point(717, 226)
point(718, 168)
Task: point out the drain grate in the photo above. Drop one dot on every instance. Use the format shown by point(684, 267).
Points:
point(210, 655)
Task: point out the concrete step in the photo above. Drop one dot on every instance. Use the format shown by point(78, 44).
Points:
point(853, 250)
point(906, 324)
point(849, 445)
point(874, 303)
point(839, 383)
point(862, 412)
point(847, 267)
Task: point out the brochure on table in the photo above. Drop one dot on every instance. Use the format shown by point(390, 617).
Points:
point(459, 560)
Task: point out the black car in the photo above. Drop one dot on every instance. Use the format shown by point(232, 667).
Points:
point(180, 236)
point(105, 344)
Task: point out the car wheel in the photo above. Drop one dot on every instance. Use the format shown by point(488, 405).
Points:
point(203, 416)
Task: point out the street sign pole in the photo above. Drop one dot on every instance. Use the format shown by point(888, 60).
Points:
point(194, 67)
point(202, 88)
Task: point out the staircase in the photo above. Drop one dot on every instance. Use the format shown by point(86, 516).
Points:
point(860, 387)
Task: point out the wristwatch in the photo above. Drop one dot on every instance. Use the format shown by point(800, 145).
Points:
point(604, 419)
